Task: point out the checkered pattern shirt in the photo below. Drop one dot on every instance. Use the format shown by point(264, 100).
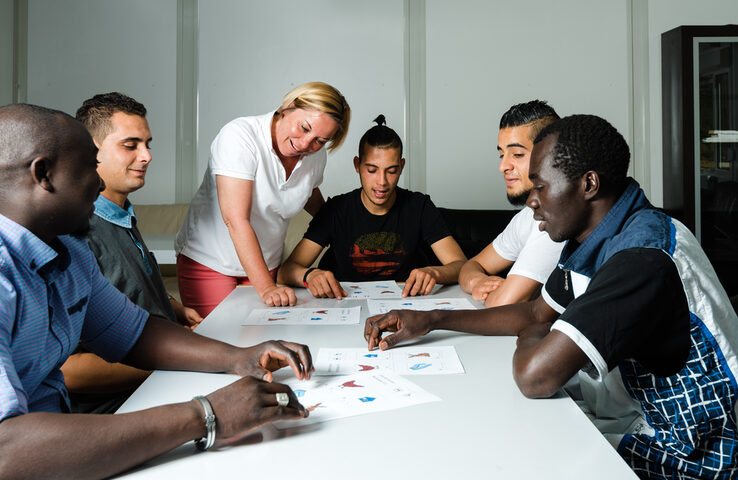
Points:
point(671, 426)
point(53, 297)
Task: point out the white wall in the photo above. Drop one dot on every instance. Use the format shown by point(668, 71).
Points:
point(252, 53)
point(77, 48)
point(6, 52)
point(489, 55)
point(664, 15)
point(482, 57)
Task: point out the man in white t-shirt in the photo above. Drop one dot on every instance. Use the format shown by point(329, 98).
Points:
point(529, 253)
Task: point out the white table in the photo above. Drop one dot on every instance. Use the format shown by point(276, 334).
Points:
point(162, 246)
point(483, 427)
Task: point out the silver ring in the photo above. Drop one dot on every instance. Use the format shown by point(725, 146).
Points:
point(282, 399)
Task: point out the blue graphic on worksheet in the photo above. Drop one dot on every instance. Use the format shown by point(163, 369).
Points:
point(420, 366)
point(328, 398)
point(423, 360)
point(366, 290)
point(377, 307)
point(302, 316)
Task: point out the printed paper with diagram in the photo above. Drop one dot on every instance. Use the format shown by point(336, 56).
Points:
point(377, 307)
point(333, 397)
point(362, 290)
point(303, 316)
point(412, 360)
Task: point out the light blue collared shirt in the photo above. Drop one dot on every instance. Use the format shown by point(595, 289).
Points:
point(125, 218)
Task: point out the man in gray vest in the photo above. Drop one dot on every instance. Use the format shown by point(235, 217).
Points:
point(121, 133)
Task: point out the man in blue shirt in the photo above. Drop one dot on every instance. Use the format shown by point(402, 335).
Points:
point(53, 296)
point(118, 126)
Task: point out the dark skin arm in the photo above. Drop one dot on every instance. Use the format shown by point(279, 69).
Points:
point(186, 350)
point(407, 324)
point(545, 360)
point(56, 445)
point(38, 444)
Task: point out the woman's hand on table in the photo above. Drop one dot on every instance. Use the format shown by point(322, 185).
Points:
point(278, 296)
point(406, 325)
point(261, 360)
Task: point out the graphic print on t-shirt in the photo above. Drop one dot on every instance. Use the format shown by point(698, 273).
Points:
point(377, 253)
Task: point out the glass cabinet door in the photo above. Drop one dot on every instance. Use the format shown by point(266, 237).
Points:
point(716, 148)
point(699, 85)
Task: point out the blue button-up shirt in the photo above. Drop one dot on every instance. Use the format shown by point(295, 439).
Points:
point(53, 297)
point(123, 217)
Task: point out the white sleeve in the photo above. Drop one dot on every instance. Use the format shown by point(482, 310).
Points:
point(509, 243)
point(534, 253)
point(233, 153)
point(600, 366)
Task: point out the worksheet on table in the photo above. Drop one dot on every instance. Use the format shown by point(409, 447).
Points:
point(329, 398)
point(377, 307)
point(303, 316)
point(412, 360)
point(363, 290)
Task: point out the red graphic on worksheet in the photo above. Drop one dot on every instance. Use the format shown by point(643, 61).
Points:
point(351, 384)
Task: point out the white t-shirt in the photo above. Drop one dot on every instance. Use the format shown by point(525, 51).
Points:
point(534, 253)
point(243, 149)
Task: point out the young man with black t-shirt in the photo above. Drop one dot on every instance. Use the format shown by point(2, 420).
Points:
point(374, 232)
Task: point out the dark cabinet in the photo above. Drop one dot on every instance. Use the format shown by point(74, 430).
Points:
point(699, 66)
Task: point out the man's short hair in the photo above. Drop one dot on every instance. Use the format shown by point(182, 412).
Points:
point(588, 142)
point(95, 112)
point(28, 130)
point(536, 113)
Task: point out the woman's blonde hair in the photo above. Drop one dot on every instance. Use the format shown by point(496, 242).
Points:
point(323, 98)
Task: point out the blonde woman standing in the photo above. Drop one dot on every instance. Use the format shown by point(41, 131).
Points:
point(262, 171)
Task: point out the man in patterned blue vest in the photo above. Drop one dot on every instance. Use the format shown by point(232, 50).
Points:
point(634, 309)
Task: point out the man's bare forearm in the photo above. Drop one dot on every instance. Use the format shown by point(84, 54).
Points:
point(291, 273)
point(449, 273)
point(504, 320)
point(87, 373)
point(470, 273)
point(164, 345)
point(56, 445)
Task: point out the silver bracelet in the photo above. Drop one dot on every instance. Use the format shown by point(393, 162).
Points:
point(208, 441)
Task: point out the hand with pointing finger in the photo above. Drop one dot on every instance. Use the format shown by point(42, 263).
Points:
point(405, 325)
point(261, 360)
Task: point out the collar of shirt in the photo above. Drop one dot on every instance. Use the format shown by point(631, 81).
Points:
point(31, 251)
point(586, 257)
point(109, 211)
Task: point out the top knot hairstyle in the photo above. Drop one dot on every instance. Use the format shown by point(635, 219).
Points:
point(588, 142)
point(323, 98)
point(380, 136)
point(536, 113)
